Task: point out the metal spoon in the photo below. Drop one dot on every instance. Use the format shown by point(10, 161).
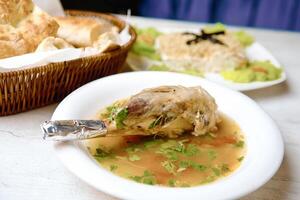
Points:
point(66, 130)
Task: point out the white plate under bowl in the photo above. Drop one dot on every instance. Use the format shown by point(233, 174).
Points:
point(255, 52)
point(263, 139)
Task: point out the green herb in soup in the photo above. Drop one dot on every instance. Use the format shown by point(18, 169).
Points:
point(185, 161)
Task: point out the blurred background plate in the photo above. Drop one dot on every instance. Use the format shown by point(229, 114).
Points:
point(254, 52)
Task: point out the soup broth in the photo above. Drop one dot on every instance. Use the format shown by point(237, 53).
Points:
point(181, 162)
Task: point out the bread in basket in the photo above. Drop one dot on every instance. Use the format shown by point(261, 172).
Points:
point(26, 89)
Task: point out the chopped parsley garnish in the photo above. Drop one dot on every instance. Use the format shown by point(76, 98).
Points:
point(173, 145)
point(133, 148)
point(134, 157)
point(216, 171)
point(152, 143)
point(113, 167)
point(168, 153)
point(170, 149)
point(199, 167)
point(110, 112)
point(136, 178)
point(149, 180)
point(191, 150)
point(107, 113)
point(240, 144)
point(240, 159)
point(171, 182)
point(212, 154)
point(220, 170)
point(169, 166)
point(120, 117)
point(184, 164)
point(156, 122)
point(146, 178)
point(102, 154)
point(225, 168)
point(179, 147)
point(117, 114)
point(160, 121)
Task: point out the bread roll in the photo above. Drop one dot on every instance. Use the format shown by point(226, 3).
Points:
point(37, 26)
point(52, 43)
point(13, 11)
point(12, 42)
point(23, 27)
point(108, 41)
point(80, 32)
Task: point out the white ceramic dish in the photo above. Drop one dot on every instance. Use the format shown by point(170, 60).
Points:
point(254, 52)
point(263, 139)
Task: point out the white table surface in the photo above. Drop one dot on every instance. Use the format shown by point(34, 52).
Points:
point(30, 170)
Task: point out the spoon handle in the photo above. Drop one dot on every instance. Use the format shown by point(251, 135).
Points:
point(66, 130)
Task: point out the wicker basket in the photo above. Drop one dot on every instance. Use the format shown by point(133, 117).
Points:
point(27, 89)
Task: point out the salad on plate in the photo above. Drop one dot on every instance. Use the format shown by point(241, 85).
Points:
point(228, 57)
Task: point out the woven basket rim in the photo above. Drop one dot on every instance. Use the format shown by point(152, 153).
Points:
point(111, 18)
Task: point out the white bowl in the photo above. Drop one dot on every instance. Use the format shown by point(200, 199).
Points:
point(263, 139)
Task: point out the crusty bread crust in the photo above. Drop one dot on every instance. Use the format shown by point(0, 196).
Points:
point(24, 26)
point(12, 42)
point(52, 43)
point(13, 11)
point(80, 32)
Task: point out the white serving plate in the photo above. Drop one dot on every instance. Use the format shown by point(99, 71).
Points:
point(254, 52)
point(263, 139)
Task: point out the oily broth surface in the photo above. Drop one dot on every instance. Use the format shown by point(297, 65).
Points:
point(216, 155)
